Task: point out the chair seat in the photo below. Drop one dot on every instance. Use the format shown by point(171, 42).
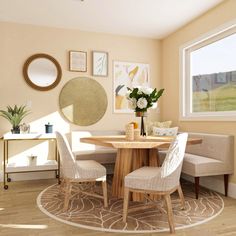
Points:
point(141, 178)
point(195, 165)
point(89, 169)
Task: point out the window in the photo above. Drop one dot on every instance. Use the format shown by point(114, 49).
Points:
point(208, 77)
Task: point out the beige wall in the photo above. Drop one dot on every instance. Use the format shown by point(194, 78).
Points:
point(18, 42)
point(222, 14)
point(21, 41)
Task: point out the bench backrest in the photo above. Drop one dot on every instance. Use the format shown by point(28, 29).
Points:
point(216, 146)
point(76, 145)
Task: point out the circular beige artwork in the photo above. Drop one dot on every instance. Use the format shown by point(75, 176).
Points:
point(83, 101)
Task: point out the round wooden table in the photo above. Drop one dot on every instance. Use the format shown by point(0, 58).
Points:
point(132, 155)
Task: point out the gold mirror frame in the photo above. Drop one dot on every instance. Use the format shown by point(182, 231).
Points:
point(29, 80)
point(83, 101)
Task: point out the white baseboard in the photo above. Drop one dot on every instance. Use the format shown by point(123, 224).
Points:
point(214, 183)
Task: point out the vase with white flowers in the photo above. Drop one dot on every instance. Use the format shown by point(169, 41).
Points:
point(142, 98)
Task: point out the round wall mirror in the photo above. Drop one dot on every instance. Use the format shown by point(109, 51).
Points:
point(42, 72)
point(83, 101)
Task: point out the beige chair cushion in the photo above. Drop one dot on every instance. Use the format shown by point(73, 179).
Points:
point(142, 178)
point(90, 169)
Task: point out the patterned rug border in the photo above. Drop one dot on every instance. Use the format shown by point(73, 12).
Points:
point(121, 231)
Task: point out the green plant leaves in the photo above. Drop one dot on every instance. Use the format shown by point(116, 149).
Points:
point(15, 114)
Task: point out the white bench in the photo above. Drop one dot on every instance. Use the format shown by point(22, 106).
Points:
point(84, 151)
point(214, 156)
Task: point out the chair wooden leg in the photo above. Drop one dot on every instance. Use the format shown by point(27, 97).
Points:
point(62, 185)
point(104, 190)
point(226, 183)
point(126, 203)
point(181, 196)
point(68, 187)
point(197, 186)
point(170, 213)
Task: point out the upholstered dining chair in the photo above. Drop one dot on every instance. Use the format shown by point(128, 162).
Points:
point(162, 180)
point(79, 171)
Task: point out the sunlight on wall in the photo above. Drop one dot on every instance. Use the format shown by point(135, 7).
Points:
point(78, 146)
point(20, 151)
point(68, 111)
point(55, 119)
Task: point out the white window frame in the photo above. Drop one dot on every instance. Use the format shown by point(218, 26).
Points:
point(186, 81)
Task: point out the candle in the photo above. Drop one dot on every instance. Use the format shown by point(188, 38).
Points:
point(129, 132)
point(136, 134)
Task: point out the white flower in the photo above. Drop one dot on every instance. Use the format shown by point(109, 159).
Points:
point(146, 90)
point(132, 103)
point(154, 105)
point(142, 103)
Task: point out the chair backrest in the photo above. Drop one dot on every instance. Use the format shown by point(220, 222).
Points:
point(172, 165)
point(66, 156)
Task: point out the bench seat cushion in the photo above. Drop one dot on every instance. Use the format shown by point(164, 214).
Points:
point(195, 165)
point(100, 155)
point(86, 151)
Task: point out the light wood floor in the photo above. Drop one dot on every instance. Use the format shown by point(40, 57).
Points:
point(19, 215)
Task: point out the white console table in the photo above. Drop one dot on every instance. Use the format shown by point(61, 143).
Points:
point(10, 168)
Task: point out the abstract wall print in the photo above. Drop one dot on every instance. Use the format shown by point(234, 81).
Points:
point(100, 63)
point(127, 74)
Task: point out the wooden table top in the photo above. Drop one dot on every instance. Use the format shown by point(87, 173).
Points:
point(143, 143)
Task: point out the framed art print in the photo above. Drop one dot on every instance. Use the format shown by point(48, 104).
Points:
point(100, 63)
point(127, 74)
point(78, 61)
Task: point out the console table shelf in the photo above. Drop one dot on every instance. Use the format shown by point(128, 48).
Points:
point(48, 165)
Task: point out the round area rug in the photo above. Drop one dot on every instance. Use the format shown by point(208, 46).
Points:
point(88, 212)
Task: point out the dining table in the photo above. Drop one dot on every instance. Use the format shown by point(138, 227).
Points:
point(132, 155)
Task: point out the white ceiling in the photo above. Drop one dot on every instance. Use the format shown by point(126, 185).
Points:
point(143, 18)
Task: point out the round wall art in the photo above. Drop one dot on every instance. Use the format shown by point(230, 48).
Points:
point(83, 101)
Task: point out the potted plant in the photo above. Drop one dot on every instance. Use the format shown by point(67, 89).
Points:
point(15, 115)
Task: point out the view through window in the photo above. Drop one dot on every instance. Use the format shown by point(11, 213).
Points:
point(213, 76)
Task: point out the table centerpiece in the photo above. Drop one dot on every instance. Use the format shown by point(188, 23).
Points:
point(140, 99)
